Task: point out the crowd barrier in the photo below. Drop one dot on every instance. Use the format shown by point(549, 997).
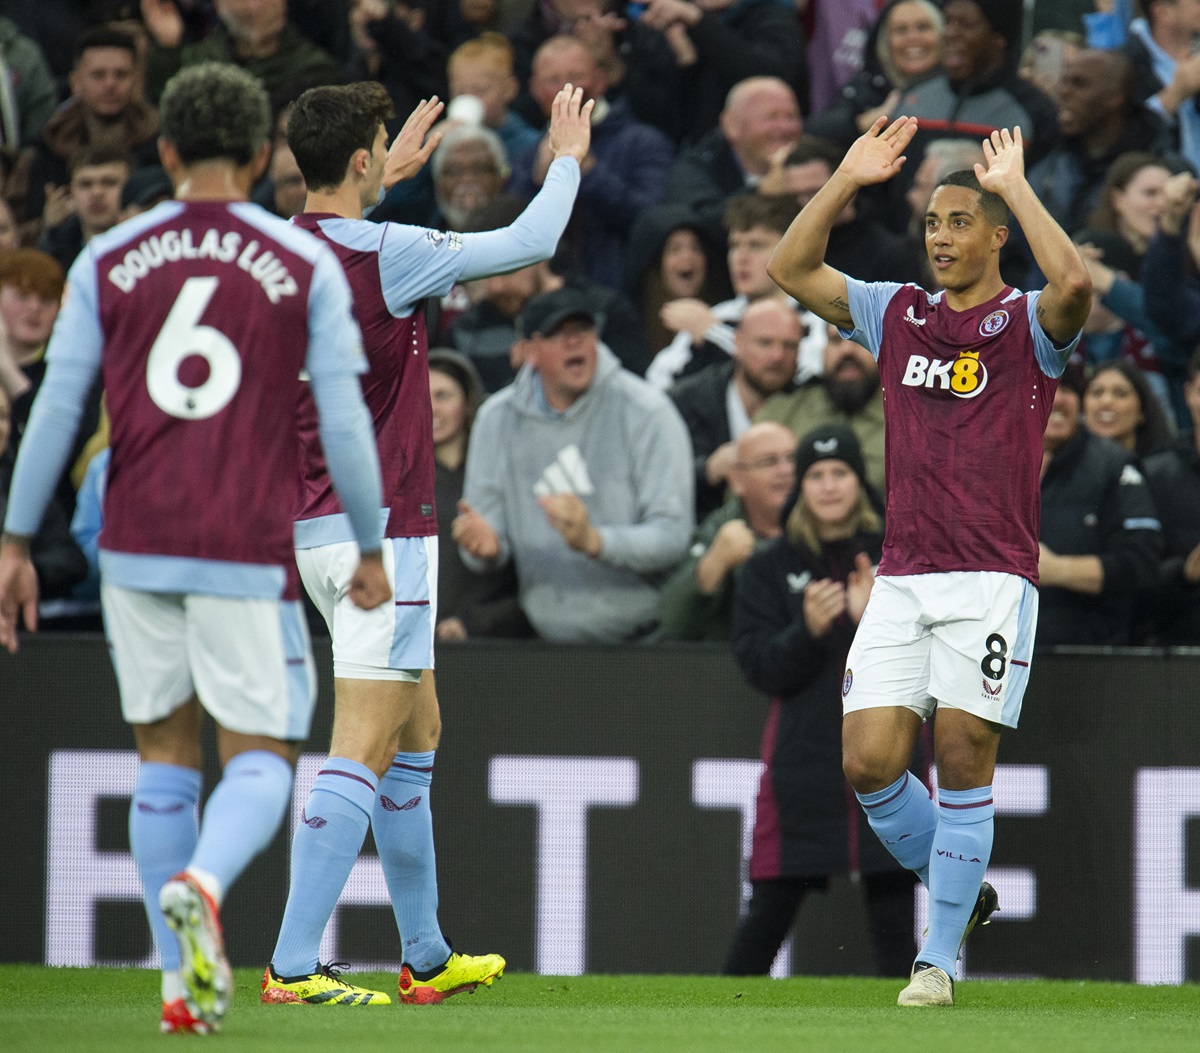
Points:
point(592, 806)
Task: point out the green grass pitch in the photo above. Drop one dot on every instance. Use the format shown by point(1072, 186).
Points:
point(45, 1010)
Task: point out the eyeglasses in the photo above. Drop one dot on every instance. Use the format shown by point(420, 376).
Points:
point(772, 460)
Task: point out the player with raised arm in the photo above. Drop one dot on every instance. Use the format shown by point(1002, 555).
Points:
point(386, 717)
point(969, 375)
point(201, 315)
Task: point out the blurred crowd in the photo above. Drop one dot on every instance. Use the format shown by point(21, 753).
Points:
point(674, 380)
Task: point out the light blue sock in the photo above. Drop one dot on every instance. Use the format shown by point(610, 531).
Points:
point(162, 837)
point(403, 827)
point(962, 847)
point(904, 819)
point(327, 841)
point(242, 814)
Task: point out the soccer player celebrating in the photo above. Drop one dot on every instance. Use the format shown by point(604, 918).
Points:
point(386, 718)
point(969, 376)
point(202, 313)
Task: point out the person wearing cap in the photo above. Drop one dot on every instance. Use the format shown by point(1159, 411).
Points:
point(581, 473)
point(969, 374)
point(797, 603)
point(697, 600)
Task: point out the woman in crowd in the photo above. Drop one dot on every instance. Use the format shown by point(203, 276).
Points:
point(796, 608)
point(1119, 405)
point(904, 48)
point(469, 604)
point(1132, 198)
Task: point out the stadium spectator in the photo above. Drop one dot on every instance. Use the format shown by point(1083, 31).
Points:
point(27, 94)
point(761, 117)
point(684, 58)
point(1119, 328)
point(470, 605)
point(1119, 405)
point(1169, 284)
point(623, 174)
point(1100, 118)
point(31, 289)
point(857, 244)
point(1173, 477)
point(904, 48)
point(719, 403)
point(1167, 69)
point(672, 256)
point(393, 45)
point(1045, 58)
point(257, 36)
point(916, 649)
point(97, 177)
point(486, 332)
point(10, 233)
point(978, 89)
point(1100, 537)
point(57, 559)
point(1132, 199)
point(287, 182)
point(580, 473)
point(847, 392)
point(387, 720)
point(105, 110)
point(797, 604)
point(195, 591)
point(483, 67)
point(704, 334)
point(696, 602)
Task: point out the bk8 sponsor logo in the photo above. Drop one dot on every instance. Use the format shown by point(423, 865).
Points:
point(965, 376)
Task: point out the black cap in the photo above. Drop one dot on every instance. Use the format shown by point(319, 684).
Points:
point(146, 186)
point(1005, 17)
point(543, 314)
point(830, 442)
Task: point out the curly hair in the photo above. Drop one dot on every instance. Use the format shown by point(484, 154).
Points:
point(215, 111)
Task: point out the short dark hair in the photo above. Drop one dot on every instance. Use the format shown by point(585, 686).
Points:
point(746, 211)
point(93, 155)
point(995, 211)
point(810, 149)
point(103, 36)
point(328, 124)
point(213, 111)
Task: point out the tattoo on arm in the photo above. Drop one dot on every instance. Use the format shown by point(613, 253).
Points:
point(1041, 312)
point(840, 304)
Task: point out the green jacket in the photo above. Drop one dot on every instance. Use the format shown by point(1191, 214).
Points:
point(35, 95)
point(809, 407)
point(684, 612)
point(297, 62)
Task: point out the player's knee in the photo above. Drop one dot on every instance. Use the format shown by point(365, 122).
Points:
point(866, 769)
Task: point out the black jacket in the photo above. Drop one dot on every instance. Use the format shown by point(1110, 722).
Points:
point(700, 399)
point(703, 177)
point(1174, 480)
point(808, 821)
point(59, 562)
point(1095, 502)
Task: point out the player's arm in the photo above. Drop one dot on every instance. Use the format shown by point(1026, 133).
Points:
point(798, 264)
point(1065, 302)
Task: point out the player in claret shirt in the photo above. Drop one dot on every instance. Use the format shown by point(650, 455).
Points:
point(969, 375)
point(201, 314)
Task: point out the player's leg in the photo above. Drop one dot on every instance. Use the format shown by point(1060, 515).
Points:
point(146, 635)
point(885, 700)
point(769, 916)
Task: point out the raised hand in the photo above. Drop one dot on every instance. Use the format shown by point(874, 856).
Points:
point(570, 132)
point(1179, 195)
point(474, 534)
point(1004, 153)
point(824, 600)
point(163, 22)
point(567, 514)
point(411, 149)
point(878, 154)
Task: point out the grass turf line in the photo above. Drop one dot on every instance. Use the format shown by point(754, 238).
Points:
point(45, 1010)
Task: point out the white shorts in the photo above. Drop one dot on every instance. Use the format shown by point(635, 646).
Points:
point(962, 639)
point(248, 660)
point(395, 640)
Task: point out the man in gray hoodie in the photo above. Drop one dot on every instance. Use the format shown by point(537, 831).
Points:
point(581, 473)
